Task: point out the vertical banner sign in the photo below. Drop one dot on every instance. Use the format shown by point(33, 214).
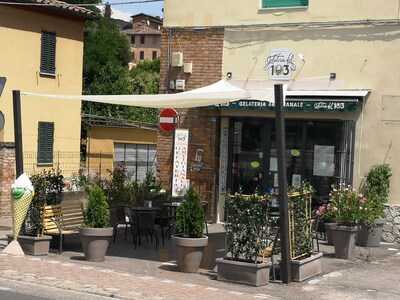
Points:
point(179, 180)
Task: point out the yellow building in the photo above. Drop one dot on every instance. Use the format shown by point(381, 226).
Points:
point(344, 110)
point(112, 143)
point(41, 51)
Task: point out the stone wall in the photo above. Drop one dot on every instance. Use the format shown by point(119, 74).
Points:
point(204, 49)
point(7, 177)
point(391, 229)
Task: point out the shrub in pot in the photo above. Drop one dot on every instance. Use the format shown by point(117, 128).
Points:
point(344, 207)
point(190, 240)
point(376, 189)
point(48, 186)
point(305, 263)
point(327, 222)
point(97, 234)
point(247, 237)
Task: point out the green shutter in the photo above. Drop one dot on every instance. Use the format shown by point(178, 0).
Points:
point(45, 143)
point(48, 53)
point(283, 3)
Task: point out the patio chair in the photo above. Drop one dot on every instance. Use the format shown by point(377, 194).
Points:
point(166, 221)
point(121, 215)
point(204, 205)
point(146, 226)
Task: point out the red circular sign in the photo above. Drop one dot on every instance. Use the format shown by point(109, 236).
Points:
point(168, 119)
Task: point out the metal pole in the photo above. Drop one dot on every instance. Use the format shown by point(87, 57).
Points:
point(19, 159)
point(283, 201)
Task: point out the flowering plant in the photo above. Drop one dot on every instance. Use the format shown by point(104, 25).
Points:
point(346, 205)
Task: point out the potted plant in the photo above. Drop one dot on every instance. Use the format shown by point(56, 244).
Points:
point(344, 207)
point(190, 240)
point(48, 186)
point(328, 223)
point(305, 263)
point(375, 189)
point(247, 237)
point(97, 234)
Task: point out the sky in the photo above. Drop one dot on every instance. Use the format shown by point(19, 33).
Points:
point(124, 12)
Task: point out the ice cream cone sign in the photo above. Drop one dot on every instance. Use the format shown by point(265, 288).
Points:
point(22, 193)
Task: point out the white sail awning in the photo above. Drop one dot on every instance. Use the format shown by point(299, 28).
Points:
point(221, 92)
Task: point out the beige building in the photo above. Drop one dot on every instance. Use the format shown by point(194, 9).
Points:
point(342, 62)
point(41, 52)
point(144, 37)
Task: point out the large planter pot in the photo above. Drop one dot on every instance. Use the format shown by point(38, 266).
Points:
point(33, 245)
point(306, 268)
point(189, 252)
point(344, 240)
point(328, 231)
point(370, 235)
point(243, 272)
point(95, 242)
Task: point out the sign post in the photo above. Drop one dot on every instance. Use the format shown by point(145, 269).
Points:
point(283, 191)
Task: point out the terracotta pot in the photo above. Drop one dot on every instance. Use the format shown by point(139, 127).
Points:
point(370, 235)
point(189, 252)
point(328, 231)
point(95, 242)
point(344, 240)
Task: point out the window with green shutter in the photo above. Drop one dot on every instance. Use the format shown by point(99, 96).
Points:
point(45, 143)
point(283, 3)
point(48, 53)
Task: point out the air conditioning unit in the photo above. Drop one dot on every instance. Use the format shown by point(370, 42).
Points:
point(188, 67)
point(177, 59)
point(180, 84)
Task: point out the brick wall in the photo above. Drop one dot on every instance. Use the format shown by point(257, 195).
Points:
point(7, 176)
point(204, 49)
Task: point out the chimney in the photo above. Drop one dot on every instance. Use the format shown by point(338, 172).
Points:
point(107, 11)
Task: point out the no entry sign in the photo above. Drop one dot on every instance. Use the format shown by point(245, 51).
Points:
point(168, 119)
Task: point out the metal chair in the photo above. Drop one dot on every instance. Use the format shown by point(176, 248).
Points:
point(146, 226)
point(121, 215)
point(204, 205)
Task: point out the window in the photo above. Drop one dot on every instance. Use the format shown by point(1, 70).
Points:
point(138, 159)
point(283, 3)
point(48, 53)
point(141, 55)
point(154, 55)
point(142, 39)
point(132, 39)
point(45, 143)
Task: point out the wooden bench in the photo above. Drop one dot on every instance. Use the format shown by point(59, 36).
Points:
point(60, 220)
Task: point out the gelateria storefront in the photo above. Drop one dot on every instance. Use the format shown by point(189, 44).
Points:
point(320, 144)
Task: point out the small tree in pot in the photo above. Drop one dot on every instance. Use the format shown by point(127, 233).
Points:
point(376, 189)
point(190, 240)
point(97, 234)
point(344, 207)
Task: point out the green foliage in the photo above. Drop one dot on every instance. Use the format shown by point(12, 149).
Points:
point(48, 186)
point(97, 214)
point(375, 188)
point(190, 216)
point(120, 190)
point(345, 205)
point(247, 226)
point(106, 57)
point(300, 221)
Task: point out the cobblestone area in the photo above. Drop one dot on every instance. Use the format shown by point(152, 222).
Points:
point(107, 282)
point(391, 229)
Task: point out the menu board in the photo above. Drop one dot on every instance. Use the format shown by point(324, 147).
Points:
point(324, 161)
point(179, 181)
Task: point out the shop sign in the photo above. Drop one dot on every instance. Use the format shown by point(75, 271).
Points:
point(297, 105)
point(280, 64)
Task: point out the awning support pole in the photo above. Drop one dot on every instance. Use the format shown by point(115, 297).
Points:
point(283, 190)
point(19, 159)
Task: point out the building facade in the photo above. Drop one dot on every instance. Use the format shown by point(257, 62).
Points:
point(144, 37)
point(42, 52)
point(342, 101)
